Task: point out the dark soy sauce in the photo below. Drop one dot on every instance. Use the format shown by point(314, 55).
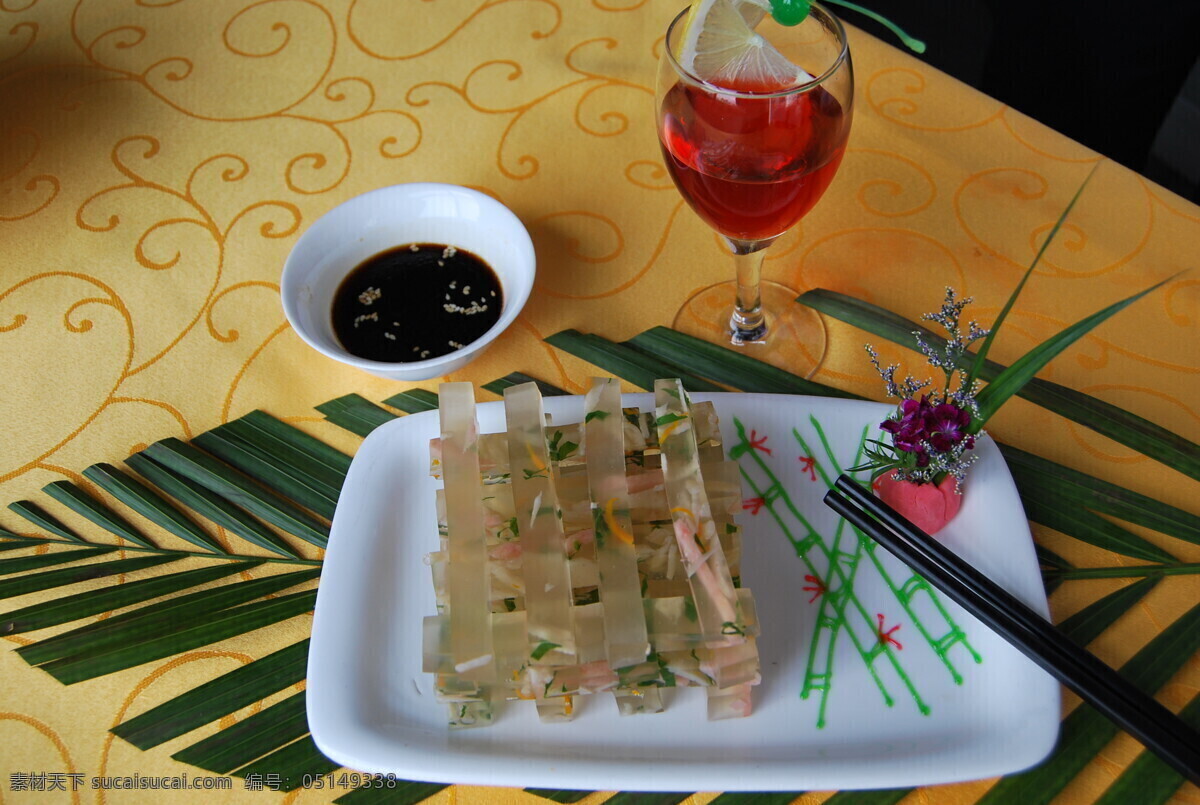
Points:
point(415, 302)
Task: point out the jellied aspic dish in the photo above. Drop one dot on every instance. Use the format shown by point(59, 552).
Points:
point(590, 558)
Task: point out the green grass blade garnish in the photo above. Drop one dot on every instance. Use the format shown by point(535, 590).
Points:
point(223, 480)
point(73, 575)
point(977, 365)
point(93, 602)
point(254, 736)
point(83, 504)
point(293, 763)
point(1120, 425)
point(215, 628)
point(224, 695)
point(414, 401)
point(1085, 732)
point(1148, 780)
point(148, 503)
point(157, 620)
point(44, 520)
point(212, 506)
point(1012, 379)
point(355, 413)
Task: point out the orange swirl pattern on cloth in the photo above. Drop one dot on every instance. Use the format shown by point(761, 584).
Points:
point(159, 159)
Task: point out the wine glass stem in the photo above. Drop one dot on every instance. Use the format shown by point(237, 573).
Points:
point(748, 324)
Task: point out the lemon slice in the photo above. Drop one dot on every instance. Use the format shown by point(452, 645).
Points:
point(718, 43)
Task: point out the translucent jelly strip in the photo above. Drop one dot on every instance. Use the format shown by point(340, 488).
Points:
point(673, 625)
point(467, 573)
point(637, 432)
point(548, 595)
point(695, 532)
point(620, 587)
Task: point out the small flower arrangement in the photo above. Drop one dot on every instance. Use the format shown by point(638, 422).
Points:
point(931, 436)
point(920, 473)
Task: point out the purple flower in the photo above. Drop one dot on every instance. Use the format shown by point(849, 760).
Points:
point(946, 425)
point(919, 423)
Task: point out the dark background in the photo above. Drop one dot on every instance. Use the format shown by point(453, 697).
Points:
point(1120, 78)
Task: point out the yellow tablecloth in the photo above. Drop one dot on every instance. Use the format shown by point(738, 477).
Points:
point(159, 159)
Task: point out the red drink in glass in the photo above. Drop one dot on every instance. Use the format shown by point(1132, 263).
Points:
point(752, 167)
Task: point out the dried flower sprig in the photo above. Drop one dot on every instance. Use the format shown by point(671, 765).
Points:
point(932, 436)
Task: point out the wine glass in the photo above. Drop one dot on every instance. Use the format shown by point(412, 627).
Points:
point(752, 155)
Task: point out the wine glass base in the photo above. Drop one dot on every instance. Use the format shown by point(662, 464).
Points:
point(795, 335)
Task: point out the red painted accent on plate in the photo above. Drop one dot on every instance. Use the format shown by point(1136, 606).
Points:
point(809, 464)
point(752, 505)
point(758, 442)
point(885, 637)
point(818, 587)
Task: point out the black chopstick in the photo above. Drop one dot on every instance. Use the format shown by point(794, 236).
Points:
point(1096, 683)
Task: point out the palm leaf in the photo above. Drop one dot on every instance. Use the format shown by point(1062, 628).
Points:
point(212, 506)
point(726, 366)
point(1085, 732)
point(10, 588)
point(220, 626)
point(88, 507)
point(1090, 622)
point(284, 477)
point(293, 764)
point(1148, 780)
point(647, 798)
point(1071, 486)
point(413, 401)
point(885, 796)
point(43, 520)
point(151, 622)
point(355, 413)
point(557, 794)
point(222, 480)
point(1126, 571)
point(24, 564)
point(636, 367)
point(281, 437)
point(1012, 379)
point(149, 504)
point(236, 746)
point(1109, 420)
point(94, 602)
point(516, 379)
point(226, 694)
point(406, 792)
point(1088, 527)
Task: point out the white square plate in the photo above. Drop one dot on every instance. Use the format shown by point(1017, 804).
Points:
point(922, 712)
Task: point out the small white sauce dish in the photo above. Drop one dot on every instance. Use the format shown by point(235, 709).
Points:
point(383, 219)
